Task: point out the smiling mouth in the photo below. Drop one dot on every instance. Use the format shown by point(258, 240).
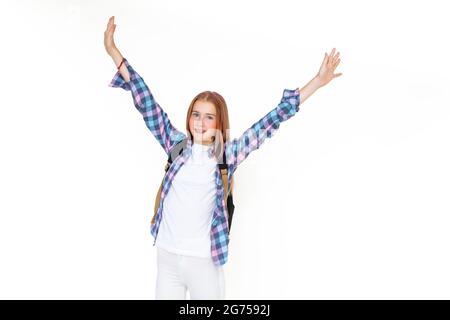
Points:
point(199, 131)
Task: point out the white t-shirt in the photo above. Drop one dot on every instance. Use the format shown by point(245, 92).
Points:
point(189, 205)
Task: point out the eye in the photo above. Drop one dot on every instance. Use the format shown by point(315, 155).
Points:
point(195, 115)
point(210, 118)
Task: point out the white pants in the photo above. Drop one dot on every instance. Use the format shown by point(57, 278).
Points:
point(179, 273)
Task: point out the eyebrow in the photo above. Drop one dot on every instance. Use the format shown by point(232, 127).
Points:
point(211, 114)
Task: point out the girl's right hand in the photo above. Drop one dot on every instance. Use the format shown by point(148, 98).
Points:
point(109, 36)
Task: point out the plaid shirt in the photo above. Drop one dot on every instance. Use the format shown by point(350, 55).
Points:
point(236, 150)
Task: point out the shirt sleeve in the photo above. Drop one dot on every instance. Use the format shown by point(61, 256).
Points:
point(154, 116)
point(252, 138)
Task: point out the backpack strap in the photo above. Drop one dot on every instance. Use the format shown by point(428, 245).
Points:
point(228, 193)
point(175, 152)
point(224, 174)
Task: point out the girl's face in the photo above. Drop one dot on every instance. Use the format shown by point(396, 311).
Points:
point(202, 122)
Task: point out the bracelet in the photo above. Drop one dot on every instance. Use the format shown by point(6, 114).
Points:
point(123, 59)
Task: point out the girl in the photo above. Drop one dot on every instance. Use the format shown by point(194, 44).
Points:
point(191, 222)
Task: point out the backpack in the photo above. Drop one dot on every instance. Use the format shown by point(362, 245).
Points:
point(175, 152)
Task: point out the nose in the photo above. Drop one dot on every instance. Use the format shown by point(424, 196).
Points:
point(200, 122)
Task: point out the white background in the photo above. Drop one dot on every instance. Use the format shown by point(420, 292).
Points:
point(348, 200)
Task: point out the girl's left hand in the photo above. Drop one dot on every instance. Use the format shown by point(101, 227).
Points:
point(329, 64)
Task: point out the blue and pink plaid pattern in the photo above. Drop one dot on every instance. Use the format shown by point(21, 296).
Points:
point(236, 150)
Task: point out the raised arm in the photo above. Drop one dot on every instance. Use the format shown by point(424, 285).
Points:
point(128, 79)
point(112, 50)
point(324, 76)
point(252, 138)
point(239, 149)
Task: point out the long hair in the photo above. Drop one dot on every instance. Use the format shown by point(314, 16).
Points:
point(222, 132)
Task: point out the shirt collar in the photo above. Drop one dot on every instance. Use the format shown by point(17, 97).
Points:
point(189, 149)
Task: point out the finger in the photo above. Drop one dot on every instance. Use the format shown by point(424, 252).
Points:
point(111, 28)
point(337, 75)
point(336, 57)
point(336, 63)
point(330, 58)
point(324, 61)
point(110, 23)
